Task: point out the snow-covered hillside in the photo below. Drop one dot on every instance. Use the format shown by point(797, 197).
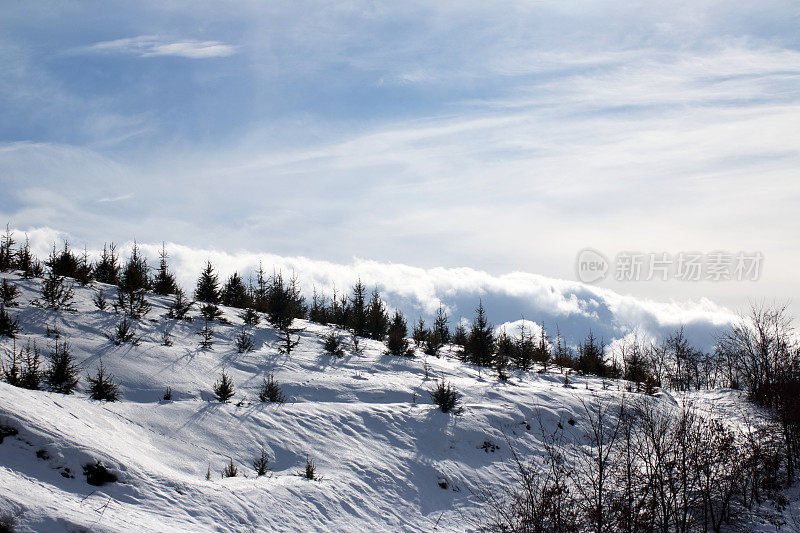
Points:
point(389, 460)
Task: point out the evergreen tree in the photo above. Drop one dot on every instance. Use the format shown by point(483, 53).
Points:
point(207, 290)
point(62, 374)
point(524, 348)
point(31, 375)
point(244, 342)
point(284, 302)
point(340, 310)
point(591, 357)
point(9, 327)
point(27, 262)
point(541, 353)
point(6, 250)
point(134, 276)
point(223, 389)
point(377, 317)
point(270, 391)
point(505, 349)
point(396, 342)
point(179, 306)
point(260, 292)
point(234, 293)
point(84, 273)
point(480, 342)
point(106, 269)
point(419, 334)
point(332, 343)
point(8, 294)
point(318, 312)
point(206, 337)
point(441, 331)
point(102, 386)
point(358, 310)
point(460, 335)
point(64, 263)
point(164, 281)
point(56, 293)
point(208, 293)
point(250, 316)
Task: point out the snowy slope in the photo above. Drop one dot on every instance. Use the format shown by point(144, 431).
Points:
point(367, 421)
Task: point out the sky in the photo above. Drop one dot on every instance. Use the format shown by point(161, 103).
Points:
point(477, 144)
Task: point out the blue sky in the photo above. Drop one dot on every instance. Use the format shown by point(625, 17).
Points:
point(501, 136)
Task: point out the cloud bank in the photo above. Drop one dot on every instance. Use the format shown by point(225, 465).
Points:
point(569, 307)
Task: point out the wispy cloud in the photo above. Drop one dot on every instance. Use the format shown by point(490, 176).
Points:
point(152, 46)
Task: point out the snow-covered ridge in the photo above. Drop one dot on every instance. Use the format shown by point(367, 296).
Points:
point(389, 460)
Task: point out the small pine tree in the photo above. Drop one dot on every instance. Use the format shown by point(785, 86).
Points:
point(288, 340)
point(479, 349)
point(84, 273)
point(31, 375)
point(167, 397)
point(208, 473)
point(524, 348)
point(591, 357)
point(56, 293)
point(26, 262)
point(318, 312)
point(310, 470)
point(333, 343)
point(542, 352)
point(106, 269)
point(446, 397)
point(11, 371)
point(64, 263)
point(132, 303)
point(134, 277)
point(6, 250)
point(230, 470)
point(377, 317)
point(397, 343)
point(210, 312)
point(359, 310)
point(62, 374)
point(261, 463)
point(270, 391)
point(206, 337)
point(8, 294)
point(504, 354)
point(180, 306)
point(102, 386)
point(244, 342)
point(284, 302)
point(419, 334)
point(9, 327)
point(164, 281)
point(124, 332)
point(207, 290)
point(99, 300)
point(460, 335)
point(355, 344)
point(250, 317)
point(234, 293)
point(223, 389)
point(440, 328)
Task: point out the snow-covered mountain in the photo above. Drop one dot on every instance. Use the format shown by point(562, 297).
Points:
point(389, 460)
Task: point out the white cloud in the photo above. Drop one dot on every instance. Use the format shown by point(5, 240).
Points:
point(152, 45)
point(570, 307)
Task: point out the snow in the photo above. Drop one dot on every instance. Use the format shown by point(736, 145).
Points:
point(382, 449)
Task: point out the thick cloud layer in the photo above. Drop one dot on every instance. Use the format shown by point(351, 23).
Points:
point(570, 307)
